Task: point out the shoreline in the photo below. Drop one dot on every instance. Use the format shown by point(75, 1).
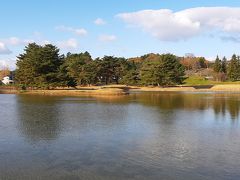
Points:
point(208, 88)
point(118, 90)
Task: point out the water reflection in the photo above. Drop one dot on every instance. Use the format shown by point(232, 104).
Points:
point(220, 103)
point(233, 106)
point(140, 136)
point(38, 117)
point(41, 118)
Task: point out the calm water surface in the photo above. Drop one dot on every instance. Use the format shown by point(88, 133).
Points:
point(141, 136)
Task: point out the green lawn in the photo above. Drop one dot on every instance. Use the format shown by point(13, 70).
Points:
point(196, 80)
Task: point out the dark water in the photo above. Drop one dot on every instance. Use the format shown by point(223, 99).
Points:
point(141, 136)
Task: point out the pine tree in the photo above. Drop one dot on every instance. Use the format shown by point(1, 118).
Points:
point(165, 71)
point(217, 65)
point(39, 66)
point(173, 72)
point(201, 62)
point(233, 69)
point(224, 65)
point(76, 66)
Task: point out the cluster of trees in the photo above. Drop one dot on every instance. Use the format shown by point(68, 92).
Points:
point(44, 67)
point(164, 70)
point(194, 63)
point(220, 69)
point(227, 69)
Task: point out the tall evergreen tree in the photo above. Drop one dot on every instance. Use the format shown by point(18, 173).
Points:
point(224, 65)
point(76, 66)
point(217, 65)
point(172, 70)
point(39, 66)
point(233, 68)
point(201, 62)
point(111, 69)
point(167, 70)
point(149, 73)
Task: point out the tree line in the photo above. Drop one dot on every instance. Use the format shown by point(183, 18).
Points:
point(44, 67)
point(227, 70)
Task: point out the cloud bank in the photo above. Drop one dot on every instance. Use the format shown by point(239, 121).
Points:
point(167, 25)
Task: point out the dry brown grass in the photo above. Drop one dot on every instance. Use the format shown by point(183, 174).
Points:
point(226, 87)
point(105, 91)
point(116, 90)
point(215, 88)
point(151, 89)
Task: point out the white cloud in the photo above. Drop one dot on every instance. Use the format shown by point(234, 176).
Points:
point(17, 41)
point(77, 31)
point(68, 44)
point(14, 41)
point(7, 63)
point(4, 49)
point(99, 21)
point(167, 25)
point(107, 38)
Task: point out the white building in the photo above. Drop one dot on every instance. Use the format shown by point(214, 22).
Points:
point(6, 80)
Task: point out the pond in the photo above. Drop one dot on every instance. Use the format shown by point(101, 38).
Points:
point(140, 136)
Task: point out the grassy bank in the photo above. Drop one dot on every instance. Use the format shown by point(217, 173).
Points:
point(8, 90)
point(198, 81)
point(200, 88)
point(78, 92)
point(118, 90)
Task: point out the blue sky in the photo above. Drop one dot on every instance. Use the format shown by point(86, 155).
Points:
point(121, 28)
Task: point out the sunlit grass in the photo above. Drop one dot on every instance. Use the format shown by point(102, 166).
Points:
point(197, 80)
